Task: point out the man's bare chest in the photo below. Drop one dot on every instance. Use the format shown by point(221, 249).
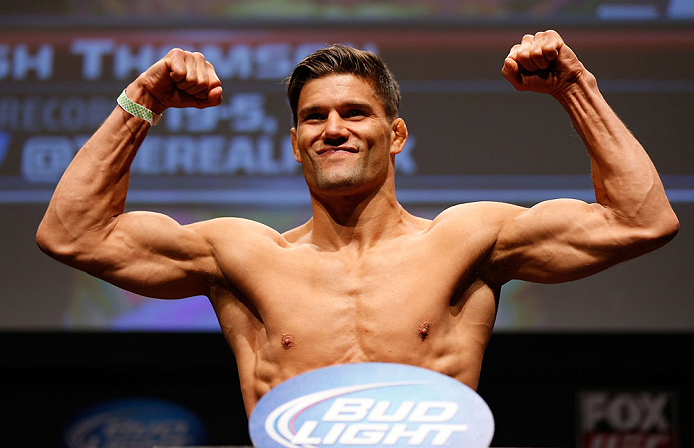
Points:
point(297, 308)
point(399, 291)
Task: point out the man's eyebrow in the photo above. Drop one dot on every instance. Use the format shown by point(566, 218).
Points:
point(358, 105)
point(349, 105)
point(309, 110)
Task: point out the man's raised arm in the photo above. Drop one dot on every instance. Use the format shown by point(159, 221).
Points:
point(85, 226)
point(565, 239)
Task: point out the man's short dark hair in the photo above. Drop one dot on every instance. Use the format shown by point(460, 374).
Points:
point(341, 59)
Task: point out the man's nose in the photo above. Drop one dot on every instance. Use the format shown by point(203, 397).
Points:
point(335, 129)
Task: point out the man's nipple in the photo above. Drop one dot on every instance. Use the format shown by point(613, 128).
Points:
point(287, 341)
point(423, 331)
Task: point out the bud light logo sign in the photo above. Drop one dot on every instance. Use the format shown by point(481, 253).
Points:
point(134, 423)
point(371, 404)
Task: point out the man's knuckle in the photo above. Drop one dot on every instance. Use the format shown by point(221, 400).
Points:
point(524, 54)
point(527, 39)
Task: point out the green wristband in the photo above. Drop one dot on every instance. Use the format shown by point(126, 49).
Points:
point(137, 110)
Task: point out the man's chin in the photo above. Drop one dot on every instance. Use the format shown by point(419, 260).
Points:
point(338, 186)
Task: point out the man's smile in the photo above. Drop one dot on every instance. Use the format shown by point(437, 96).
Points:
point(338, 149)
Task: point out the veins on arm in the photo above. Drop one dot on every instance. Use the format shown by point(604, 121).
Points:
point(562, 240)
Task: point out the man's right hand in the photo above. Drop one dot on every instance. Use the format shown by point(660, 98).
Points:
point(180, 79)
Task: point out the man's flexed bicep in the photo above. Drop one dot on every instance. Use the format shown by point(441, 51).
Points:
point(146, 253)
point(564, 239)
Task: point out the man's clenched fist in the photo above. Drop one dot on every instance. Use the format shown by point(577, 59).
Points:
point(180, 79)
point(542, 63)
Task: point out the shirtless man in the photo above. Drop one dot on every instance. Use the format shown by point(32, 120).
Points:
point(362, 280)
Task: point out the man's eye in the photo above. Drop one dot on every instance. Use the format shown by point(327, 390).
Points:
point(355, 113)
point(313, 117)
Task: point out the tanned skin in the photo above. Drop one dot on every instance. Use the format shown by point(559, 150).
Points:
point(362, 280)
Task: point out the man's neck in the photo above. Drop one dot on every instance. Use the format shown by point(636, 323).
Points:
point(358, 221)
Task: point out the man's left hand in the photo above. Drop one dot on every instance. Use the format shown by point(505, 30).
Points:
point(542, 63)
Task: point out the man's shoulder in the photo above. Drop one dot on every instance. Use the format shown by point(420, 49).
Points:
point(473, 224)
point(236, 230)
point(474, 228)
point(474, 213)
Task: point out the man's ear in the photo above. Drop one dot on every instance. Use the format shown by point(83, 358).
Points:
point(398, 131)
point(295, 146)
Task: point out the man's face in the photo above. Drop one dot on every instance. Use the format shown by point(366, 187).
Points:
point(343, 139)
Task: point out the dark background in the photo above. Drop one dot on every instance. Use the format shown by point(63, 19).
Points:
point(530, 381)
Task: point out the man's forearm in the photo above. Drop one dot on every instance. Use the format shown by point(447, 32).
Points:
point(624, 176)
point(94, 187)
